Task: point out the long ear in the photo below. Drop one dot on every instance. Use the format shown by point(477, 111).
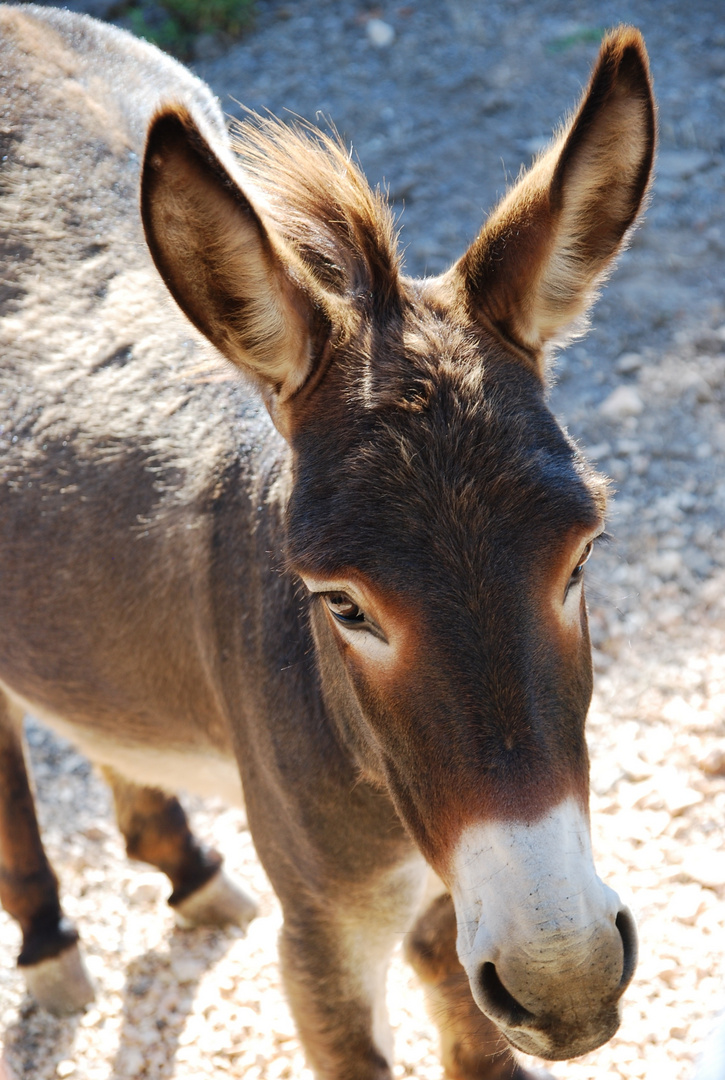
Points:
point(227, 271)
point(535, 266)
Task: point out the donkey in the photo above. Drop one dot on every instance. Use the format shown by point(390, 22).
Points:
point(354, 590)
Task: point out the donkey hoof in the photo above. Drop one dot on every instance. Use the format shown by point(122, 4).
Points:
point(60, 984)
point(219, 902)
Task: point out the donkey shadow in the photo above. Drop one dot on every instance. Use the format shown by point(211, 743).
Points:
point(33, 1034)
point(158, 997)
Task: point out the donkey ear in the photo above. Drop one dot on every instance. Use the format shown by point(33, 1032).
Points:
point(227, 271)
point(535, 266)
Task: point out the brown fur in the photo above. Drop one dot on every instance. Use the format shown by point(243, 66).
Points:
point(471, 1044)
point(28, 886)
point(156, 831)
point(154, 527)
point(321, 203)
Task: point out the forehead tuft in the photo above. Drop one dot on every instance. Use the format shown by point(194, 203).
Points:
point(447, 456)
point(485, 411)
point(313, 193)
point(414, 356)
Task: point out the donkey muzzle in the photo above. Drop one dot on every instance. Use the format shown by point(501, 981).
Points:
point(547, 947)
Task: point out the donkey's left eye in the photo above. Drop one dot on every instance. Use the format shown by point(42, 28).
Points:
point(345, 610)
point(578, 570)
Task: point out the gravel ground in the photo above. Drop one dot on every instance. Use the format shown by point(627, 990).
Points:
point(443, 100)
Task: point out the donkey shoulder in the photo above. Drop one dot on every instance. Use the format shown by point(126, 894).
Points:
point(93, 351)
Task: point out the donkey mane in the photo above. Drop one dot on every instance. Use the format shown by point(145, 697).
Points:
point(319, 201)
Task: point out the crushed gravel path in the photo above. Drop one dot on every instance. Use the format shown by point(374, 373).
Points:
point(443, 106)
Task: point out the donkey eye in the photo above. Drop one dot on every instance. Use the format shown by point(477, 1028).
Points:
point(345, 610)
point(579, 568)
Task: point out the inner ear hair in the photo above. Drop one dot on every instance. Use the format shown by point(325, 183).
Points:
point(229, 273)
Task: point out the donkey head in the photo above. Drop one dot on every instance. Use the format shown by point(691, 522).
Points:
point(439, 516)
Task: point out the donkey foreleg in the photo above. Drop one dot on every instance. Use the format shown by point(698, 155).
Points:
point(50, 958)
point(335, 953)
point(156, 831)
point(472, 1047)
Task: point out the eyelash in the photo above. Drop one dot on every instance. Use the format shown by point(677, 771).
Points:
point(578, 571)
point(579, 568)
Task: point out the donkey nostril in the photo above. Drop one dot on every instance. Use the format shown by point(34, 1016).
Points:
point(628, 933)
point(500, 1004)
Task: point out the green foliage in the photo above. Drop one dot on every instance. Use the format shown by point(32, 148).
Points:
point(174, 24)
point(584, 35)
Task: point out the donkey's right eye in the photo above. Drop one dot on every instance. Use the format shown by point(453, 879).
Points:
point(345, 610)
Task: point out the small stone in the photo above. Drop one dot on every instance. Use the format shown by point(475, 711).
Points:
point(714, 763)
point(403, 188)
point(91, 1019)
point(494, 102)
point(669, 615)
point(709, 342)
point(636, 770)
point(712, 592)
point(145, 890)
point(686, 904)
point(97, 967)
point(598, 451)
point(65, 1068)
point(670, 783)
point(666, 564)
point(621, 404)
point(623, 508)
point(680, 799)
point(536, 144)
point(600, 660)
point(95, 833)
point(628, 363)
point(380, 34)
point(681, 164)
point(186, 970)
point(703, 391)
point(245, 1017)
point(617, 470)
point(132, 1061)
point(705, 867)
point(605, 779)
